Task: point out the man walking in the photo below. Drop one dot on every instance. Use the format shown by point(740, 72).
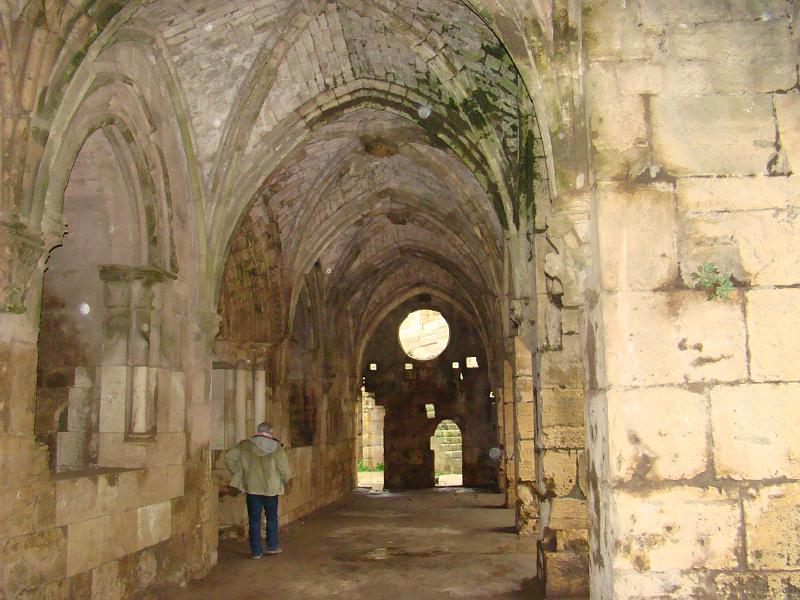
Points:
point(260, 469)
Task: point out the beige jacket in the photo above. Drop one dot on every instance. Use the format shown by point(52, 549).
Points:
point(259, 466)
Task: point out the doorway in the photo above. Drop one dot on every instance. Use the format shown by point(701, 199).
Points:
point(447, 446)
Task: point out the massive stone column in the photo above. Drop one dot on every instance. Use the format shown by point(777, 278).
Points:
point(693, 478)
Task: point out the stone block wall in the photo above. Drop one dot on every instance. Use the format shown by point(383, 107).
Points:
point(694, 120)
point(246, 391)
point(371, 443)
point(457, 392)
point(104, 531)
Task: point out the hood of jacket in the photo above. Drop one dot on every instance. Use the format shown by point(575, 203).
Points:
point(264, 445)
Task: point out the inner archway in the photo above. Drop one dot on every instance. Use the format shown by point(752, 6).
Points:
point(447, 446)
point(86, 311)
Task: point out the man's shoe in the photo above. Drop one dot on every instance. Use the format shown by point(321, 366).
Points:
point(276, 551)
point(256, 556)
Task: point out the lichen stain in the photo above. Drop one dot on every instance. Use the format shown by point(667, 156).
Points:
point(641, 563)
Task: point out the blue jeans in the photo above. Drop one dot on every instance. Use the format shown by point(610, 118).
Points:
point(255, 504)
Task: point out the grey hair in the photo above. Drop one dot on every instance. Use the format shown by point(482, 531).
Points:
point(265, 428)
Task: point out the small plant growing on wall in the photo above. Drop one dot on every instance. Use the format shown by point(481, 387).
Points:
point(716, 284)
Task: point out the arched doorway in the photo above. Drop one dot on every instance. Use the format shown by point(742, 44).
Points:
point(447, 446)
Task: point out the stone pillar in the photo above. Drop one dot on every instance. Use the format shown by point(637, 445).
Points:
point(509, 446)
point(132, 299)
point(240, 403)
point(524, 434)
point(259, 395)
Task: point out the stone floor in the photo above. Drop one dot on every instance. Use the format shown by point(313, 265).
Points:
point(374, 480)
point(430, 544)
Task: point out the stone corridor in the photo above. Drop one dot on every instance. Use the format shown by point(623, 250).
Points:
point(217, 213)
point(422, 545)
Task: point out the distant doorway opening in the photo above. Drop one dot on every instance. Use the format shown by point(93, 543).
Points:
point(370, 446)
point(447, 446)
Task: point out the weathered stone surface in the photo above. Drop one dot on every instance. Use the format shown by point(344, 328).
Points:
point(562, 406)
point(774, 349)
point(113, 397)
point(26, 508)
point(560, 436)
point(755, 585)
point(752, 427)
point(754, 55)
point(678, 528)
point(663, 12)
point(526, 425)
point(154, 524)
point(755, 247)
point(657, 434)
point(710, 135)
point(772, 517)
point(614, 32)
point(33, 560)
point(89, 496)
point(165, 449)
point(673, 338)
point(106, 583)
point(618, 122)
point(526, 460)
point(674, 584)
point(559, 470)
point(726, 194)
point(568, 513)
point(567, 574)
point(637, 237)
point(563, 368)
point(787, 109)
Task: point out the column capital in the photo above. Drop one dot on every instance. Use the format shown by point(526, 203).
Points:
point(146, 273)
point(20, 251)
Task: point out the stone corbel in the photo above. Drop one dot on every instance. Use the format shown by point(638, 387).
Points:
point(146, 274)
point(205, 329)
point(20, 252)
point(567, 267)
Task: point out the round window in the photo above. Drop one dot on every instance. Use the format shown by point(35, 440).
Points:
point(424, 334)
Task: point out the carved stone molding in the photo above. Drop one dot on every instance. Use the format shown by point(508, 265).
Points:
point(20, 251)
point(568, 266)
point(148, 274)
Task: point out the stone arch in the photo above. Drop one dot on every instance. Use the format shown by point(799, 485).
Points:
point(447, 455)
point(256, 87)
point(371, 323)
point(151, 118)
point(252, 296)
point(117, 97)
point(457, 393)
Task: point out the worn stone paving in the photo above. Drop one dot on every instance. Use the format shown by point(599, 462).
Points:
point(443, 543)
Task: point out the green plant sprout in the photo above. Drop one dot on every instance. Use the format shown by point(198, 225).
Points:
point(716, 284)
point(363, 467)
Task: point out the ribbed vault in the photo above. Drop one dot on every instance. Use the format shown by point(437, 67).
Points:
point(385, 144)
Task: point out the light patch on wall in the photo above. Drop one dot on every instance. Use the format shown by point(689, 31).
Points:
point(456, 365)
point(409, 366)
point(430, 411)
point(373, 367)
point(472, 362)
